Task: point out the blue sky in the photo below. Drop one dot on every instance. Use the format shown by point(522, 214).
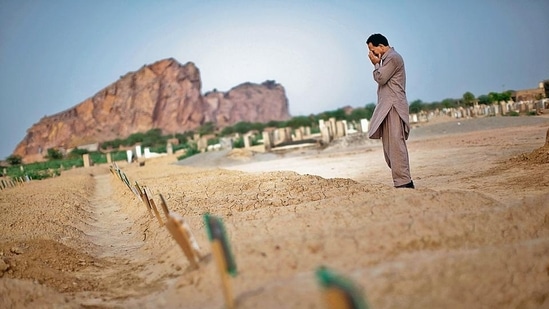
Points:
point(55, 54)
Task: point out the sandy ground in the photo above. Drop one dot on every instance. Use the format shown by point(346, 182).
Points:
point(474, 234)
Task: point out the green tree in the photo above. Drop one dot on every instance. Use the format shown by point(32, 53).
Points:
point(449, 103)
point(243, 127)
point(227, 131)
point(133, 139)
point(359, 113)
point(468, 98)
point(154, 138)
point(182, 138)
point(416, 106)
point(299, 121)
point(370, 107)
point(506, 95)
point(483, 99)
point(493, 97)
point(275, 124)
point(433, 105)
point(338, 114)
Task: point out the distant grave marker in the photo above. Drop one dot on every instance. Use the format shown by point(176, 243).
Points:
point(86, 159)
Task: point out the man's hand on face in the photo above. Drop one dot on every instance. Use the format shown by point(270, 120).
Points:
point(375, 59)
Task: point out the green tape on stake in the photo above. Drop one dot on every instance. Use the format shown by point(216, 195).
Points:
point(216, 231)
point(328, 279)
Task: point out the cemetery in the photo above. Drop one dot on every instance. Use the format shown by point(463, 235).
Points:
point(312, 226)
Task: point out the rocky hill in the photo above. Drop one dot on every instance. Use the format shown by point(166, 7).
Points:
point(165, 95)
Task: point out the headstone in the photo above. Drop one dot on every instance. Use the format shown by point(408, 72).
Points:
point(288, 134)
point(504, 109)
point(364, 123)
point(169, 149)
point(129, 155)
point(326, 135)
point(226, 143)
point(299, 134)
point(414, 118)
point(340, 130)
point(247, 141)
point(275, 136)
point(281, 135)
point(202, 144)
point(86, 159)
point(496, 110)
point(138, 151)
point(530, 107)
point(333, 127)
point(267, 141)
point(321, 123)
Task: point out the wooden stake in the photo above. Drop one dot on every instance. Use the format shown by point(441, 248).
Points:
point(183, 238)
point(217, 251)
point(164, 206)
point(152, 205)
point(145, 200)
point(339, 292)
point(138, 191)
point(336, 299)
point(222, 255)
point(156, 213)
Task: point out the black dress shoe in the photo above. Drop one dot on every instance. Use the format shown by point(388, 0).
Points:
point(409, 185)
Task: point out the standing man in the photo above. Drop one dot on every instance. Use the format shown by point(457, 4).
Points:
point(390, 119)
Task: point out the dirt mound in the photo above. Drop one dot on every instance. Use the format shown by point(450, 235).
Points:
point(538, 156)
point(354, 140)
point(240, 154)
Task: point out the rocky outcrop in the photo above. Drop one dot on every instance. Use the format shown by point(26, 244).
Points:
point(247, 102)
point(165, 95)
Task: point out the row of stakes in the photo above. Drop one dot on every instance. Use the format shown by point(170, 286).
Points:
point(339, 292)
point(13, 182)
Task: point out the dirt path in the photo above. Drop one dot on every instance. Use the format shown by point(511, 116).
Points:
point(110, 227)
point(116, 244)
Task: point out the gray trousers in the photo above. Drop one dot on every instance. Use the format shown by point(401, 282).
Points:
point(394, 148)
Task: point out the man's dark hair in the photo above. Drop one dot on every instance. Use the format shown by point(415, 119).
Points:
point(377, 39)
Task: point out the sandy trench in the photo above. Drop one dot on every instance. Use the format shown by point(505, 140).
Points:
point(475, 234)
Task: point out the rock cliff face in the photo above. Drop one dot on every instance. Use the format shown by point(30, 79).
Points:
point(165, 95)
point(247, 102)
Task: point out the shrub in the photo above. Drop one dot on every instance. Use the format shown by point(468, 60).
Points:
point(54, 154)
point(191, 151)
point(14, 160)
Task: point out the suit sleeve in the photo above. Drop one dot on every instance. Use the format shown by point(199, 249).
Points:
point(385, 72)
